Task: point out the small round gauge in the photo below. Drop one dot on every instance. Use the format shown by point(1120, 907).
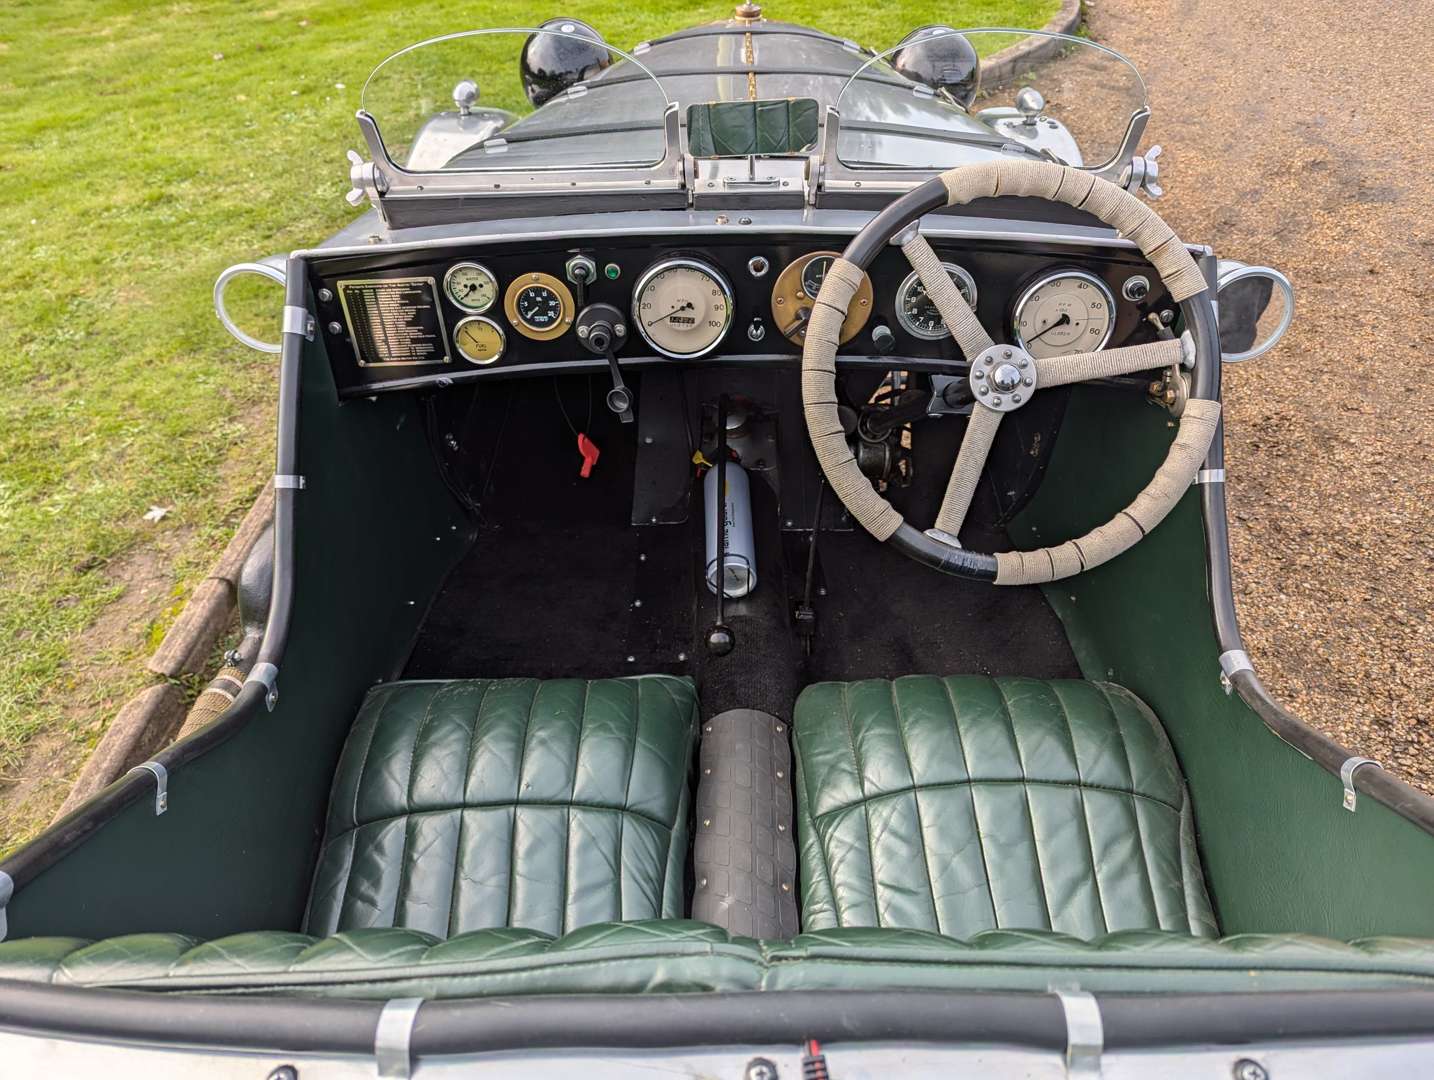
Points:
point(471, 286)
point(539, 306)
point(795, 291)
point(479, 340)
point(683, 307)
point(916, 312)
point(1069, 311)
point(814, 273)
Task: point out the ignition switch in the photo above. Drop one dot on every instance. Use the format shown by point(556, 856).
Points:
point(582, 272)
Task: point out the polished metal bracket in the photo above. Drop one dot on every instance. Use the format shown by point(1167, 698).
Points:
point(1346, 777)
point(7, 890)
point(1231, 663)
point(161, 784)
point(297, 320)
point(393, 1036)
point(1210, 476)
point(267, 676)
point(1085, 1034)
point(291, 481)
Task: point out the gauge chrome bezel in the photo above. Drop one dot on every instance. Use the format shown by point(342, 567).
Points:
point(479, 310)
point(904, 320)
point(675, 263)
point(1054, 275)
point(495, 324)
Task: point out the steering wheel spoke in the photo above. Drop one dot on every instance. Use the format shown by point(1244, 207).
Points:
point(960, 320)
point(966, 473)
point(1082, 367)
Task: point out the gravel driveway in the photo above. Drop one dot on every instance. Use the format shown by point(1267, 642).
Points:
point(1296, 135)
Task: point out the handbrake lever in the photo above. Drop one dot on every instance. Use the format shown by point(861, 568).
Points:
point(601, 329)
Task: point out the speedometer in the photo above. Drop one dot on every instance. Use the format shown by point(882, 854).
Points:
point(916, 312)
point(1069, 311)
point(683, 307)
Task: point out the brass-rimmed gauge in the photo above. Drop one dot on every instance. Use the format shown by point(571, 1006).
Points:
point(795, 291)
point(471, 286)
point(479, 340)
point(539, 306)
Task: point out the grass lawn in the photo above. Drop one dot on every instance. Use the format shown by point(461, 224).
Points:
point(142, 149)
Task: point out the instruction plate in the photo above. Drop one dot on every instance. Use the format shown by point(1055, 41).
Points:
point(394, 322)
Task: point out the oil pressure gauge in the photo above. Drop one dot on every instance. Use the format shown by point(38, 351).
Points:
point(539, 306)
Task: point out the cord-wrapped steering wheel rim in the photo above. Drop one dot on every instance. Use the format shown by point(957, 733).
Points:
point(1198, 423)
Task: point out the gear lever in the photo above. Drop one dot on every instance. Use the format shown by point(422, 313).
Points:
point(602, 330)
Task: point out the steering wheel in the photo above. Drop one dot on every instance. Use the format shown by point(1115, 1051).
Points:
point(1004, 377)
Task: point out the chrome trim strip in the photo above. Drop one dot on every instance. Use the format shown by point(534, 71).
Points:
point(289, 480)
point(1346, 778)
point(1210, 476)
point(7, 890)
point(161, 783)
point(1085, 1034)
point(267, 676)
point(393, 1037)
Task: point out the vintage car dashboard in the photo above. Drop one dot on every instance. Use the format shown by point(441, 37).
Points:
point(442, 314)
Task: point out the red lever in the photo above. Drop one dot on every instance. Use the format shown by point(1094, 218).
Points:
point(590, 452)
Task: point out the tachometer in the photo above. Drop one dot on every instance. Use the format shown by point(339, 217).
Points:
point(471, 286)
point(682, 307)
point(539, 306)
point(796, 289)
point(916, 312)
point(479, 340)
point(1069, 311)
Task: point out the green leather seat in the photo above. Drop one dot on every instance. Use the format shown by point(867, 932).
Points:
point(470, 804)
point(678, 956)
point(968, 804)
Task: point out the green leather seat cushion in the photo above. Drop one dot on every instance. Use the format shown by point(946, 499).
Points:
point(478, 803)
point(971, 803)
point(677, 956)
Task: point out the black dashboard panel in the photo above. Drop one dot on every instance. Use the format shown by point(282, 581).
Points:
point(1002, 269)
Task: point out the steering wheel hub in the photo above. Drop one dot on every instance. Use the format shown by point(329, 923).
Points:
point(1003, 377)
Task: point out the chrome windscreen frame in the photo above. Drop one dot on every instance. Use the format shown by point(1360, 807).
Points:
point(831, 176)
point(382, 180)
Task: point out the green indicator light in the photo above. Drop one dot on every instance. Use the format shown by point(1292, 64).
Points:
point(612, 271)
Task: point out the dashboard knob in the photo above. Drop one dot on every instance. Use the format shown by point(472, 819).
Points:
point(883, 339)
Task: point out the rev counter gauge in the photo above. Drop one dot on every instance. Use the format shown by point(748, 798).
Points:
point(916, 312)
point(1069, 311)
point(539, 306)
point(470, 286)
point(479, 340)
point(682, 307)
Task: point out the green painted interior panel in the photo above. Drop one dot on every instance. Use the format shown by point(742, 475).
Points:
point(1280, 851)
point(375, 534)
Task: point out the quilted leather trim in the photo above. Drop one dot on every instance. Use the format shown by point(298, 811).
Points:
point(678, 956)
point(468, 804)
point(970, 803)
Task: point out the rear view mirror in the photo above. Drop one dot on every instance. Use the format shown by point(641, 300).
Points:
point(1256, 306)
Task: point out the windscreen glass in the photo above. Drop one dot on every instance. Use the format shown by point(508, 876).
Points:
point(927, 102)
point(553, 99)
